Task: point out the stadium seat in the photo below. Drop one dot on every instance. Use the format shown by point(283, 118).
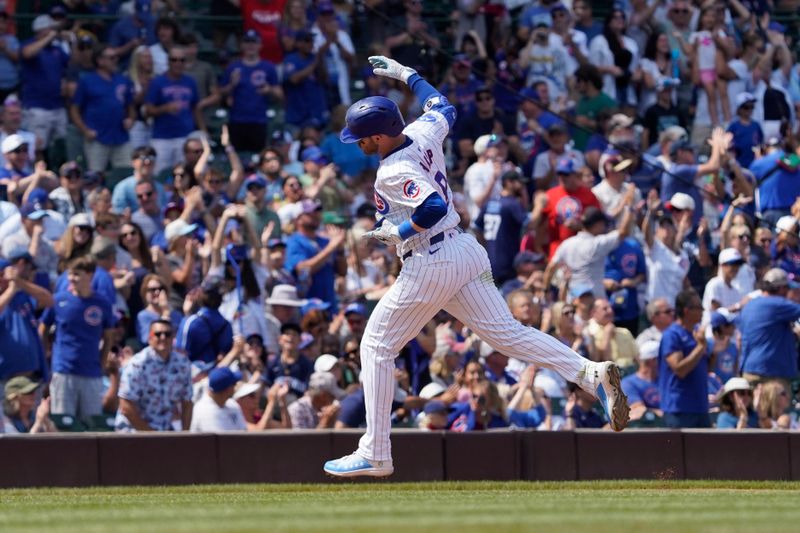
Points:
point(68, 423)
point(104, 422)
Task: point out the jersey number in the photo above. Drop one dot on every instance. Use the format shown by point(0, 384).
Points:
point(441, 180)
point(491, 225)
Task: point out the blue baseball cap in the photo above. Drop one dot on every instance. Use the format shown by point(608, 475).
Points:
point(37, 196)
point(314, 303)
point(251, 36)
point(256, 180)
point(274, 243)
point(32, 211)
point(4, 263)
point(356, 308)
point(719, 319)
point(529, 93)
point(222, 378)
point(435, 406)
point(313, 154)
point(565, 165)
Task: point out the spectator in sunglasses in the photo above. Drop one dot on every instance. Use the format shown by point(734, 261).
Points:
point(142, 408)
point(124, 195)
point(70, 198)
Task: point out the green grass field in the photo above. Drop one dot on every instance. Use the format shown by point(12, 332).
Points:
point(411, 507)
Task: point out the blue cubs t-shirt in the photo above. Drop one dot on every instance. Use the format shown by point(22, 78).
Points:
point(638, 389)
point(305, 101)
point(781, 188)
point(41, 77)
point(300, 248)
point(248, 104)
point(163, 90)
point(769, 347)
point(687, 395)
point(626, 262)
point(20, 346)
point(80, 323)
point(501, 222)
point(103, 105)
point(745, 138)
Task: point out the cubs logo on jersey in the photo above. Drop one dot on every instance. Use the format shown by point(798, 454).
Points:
point(411, 189)
point(628, 263)
point(93, 315)
point(381, 204)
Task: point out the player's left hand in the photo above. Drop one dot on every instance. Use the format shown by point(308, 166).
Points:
point(384, 66)
point(386, 232)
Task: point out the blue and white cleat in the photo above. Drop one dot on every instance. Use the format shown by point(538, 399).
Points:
point(354, 465)
point(609, 392)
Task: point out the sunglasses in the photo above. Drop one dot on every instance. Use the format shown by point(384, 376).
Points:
point(20, 150)
point(155, 289)
point(144, 195)
point(162, 334)
point(665, 312)
point(255, 187)
point(267, 159)
point(484, 98)
point(85, 228)
point(765, 241)
point(568, 312)
point(74, 175)
point(743, 236)
point(744, 392)
point(177, 60)
point(178, 175)
point(215, 182)
point(681, 11)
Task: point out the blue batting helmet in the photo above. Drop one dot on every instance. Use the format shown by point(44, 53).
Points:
point(374, 115)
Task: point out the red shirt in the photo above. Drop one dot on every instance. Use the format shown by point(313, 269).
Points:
point(562, 206)
point(264, 16)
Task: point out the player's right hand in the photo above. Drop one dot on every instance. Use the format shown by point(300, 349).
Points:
point(384, 66)
point(386, 232)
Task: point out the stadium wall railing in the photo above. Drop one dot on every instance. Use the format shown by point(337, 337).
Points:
point(102, 459)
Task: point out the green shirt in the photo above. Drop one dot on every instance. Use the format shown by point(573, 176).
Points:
point(589, 107)
point(260, 218)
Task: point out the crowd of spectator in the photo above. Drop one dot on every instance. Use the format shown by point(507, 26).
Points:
point(181, 230)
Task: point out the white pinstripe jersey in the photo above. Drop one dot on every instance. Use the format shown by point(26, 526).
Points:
point(411, 173)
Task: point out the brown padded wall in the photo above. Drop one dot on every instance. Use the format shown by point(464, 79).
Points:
point(171, 459)
point(482, 455)
point(297, 456)
point(633, 455)
point(756, 455)
point(48, 461)
point(548, 455)
point(274, 457)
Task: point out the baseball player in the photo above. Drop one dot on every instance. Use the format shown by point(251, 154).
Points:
point(443, 268)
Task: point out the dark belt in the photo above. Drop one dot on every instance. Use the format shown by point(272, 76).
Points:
point(436, 239)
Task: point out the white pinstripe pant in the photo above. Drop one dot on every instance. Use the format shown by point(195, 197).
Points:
point(454, 275)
